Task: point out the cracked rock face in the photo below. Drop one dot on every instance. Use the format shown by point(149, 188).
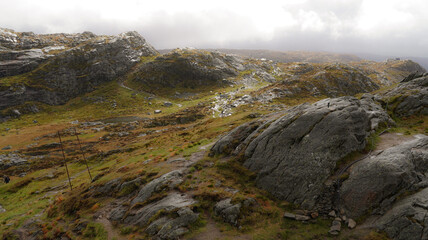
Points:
point(408, 98)
point(296, 154)
point(408, 219)
point(376, 182)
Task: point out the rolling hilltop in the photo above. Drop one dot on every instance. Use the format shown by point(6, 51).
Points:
point(207, 144)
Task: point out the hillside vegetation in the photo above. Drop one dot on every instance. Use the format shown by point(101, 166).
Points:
point(196, 144)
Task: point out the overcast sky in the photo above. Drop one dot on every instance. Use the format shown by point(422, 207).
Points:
point(385, 27)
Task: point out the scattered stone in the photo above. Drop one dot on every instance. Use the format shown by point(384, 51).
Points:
point(228, 211)
point(157, 111)
point(7, 147)
point(35, 121)
point(335, 227)
point(167, 104)
point(332, 213)
point(2, 210)
point(351, 223)
point(289, 215)
point(302, 218)
point(314, 215)
point(16, 112)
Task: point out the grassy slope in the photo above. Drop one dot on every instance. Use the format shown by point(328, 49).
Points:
point(31, 195)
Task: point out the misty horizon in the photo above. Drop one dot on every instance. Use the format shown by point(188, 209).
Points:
point(384, 28)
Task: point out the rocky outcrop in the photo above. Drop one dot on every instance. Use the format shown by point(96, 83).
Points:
point(407, 220)
point(410, 97)
point(73, 71)
point(188, 68)
point(376, 182)
point(279, 153)
point(172, 228)
point(169, 180)
point(330, 80)
point(227, 211)
point(11, 160)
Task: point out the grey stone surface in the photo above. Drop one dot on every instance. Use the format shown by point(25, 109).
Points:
point(10, 160)
point(174, 228)
point(292, 157)
point(407, 219)
point(376, 182)
point(141, 217)
point(109, 188)
point(228, 143)
point(168, 180)
point(408, 98)
point(227, 211)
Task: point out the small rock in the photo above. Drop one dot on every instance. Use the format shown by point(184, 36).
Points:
point(35, 121)
point(289, 215)
point(338, 219)
point(344, 218)
point(314, 215)
point(2, 210)
point(157, 111)
point(167, 104)
point(351, 223)
point(302, 218)
point(332, 214)
point(335, 226)
point(7, 147)
point(334, 233)
point(16, 112)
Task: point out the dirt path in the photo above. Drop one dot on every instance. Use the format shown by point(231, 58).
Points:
point(388, 140)
point(112, 232)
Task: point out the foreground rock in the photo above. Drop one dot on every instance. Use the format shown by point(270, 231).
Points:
point(377, 182)
point(166, 217)
point(407, 220)
point(279, 154)
point(228, 211)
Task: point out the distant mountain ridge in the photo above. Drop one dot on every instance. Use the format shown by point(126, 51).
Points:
point(288, 56)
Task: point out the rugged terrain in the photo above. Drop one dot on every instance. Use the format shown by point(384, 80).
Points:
point(196, 144)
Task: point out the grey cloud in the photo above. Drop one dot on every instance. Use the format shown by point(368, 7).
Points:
point(221, 28)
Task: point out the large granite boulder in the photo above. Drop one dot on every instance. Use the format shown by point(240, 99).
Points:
point(298, 152)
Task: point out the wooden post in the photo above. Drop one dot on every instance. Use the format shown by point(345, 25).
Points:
point(65, 163)
point(83, 153)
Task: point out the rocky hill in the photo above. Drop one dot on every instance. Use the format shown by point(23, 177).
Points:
point(104, 138)
point(56, 73)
